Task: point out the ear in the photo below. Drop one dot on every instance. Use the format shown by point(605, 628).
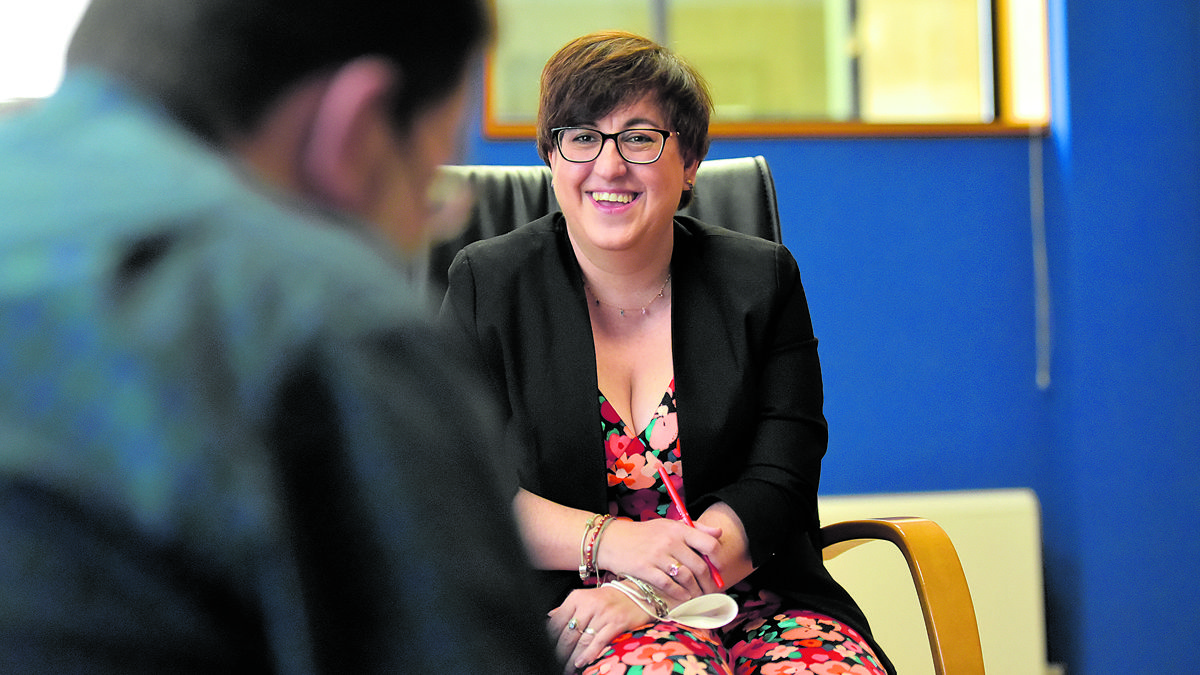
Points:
point(343, 141)
point(689, 173)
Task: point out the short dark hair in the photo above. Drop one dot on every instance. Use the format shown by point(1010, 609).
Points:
point(595, 74)
point(218, 64)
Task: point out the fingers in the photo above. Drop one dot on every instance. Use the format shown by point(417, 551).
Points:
point(588, 644)
point(677, 588)
point(584, 625)
point(563, 628)
point(702, 576)
point(706, 548)
point(575, 638)
point(638, 548)
point(584, 642)
point(581, 629)
point(566, 629)
point(684, 578)
point(695, 577)
point(689, 564)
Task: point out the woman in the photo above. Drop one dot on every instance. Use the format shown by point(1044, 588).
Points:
point(615, 330)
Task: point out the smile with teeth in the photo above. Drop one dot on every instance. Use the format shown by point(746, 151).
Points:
point(616, 197)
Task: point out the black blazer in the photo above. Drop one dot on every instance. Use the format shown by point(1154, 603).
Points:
point(747, 383)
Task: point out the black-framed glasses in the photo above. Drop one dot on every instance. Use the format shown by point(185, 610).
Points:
point(636, 146)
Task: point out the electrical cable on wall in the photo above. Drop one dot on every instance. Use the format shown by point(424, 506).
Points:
point(1041, 264)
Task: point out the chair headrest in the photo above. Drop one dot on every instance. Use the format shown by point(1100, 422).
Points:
point(737, 194)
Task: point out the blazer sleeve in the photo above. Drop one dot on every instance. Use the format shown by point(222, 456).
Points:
point(777, 420)
point(469, 333)
point(457, 314)
point(460, 323)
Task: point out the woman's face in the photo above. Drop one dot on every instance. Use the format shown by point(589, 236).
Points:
point(613, 205)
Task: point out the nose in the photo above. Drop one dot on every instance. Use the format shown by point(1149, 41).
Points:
point(609, 162)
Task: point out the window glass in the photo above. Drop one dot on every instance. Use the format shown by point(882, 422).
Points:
point(781, 67)
point(925, 60)
point(530, 31)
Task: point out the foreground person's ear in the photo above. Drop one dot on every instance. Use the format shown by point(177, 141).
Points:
point(349, 133)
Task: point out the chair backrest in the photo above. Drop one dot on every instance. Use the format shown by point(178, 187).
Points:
point(738, 194)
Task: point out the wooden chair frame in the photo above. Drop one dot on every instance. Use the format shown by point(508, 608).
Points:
point(939, 580)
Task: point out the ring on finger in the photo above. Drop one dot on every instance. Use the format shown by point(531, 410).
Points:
point(589, 630)
point(673, 570)
point(572, 624)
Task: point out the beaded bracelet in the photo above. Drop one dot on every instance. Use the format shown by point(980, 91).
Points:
point(587, 545)
point(595, 550)
point(583, 564)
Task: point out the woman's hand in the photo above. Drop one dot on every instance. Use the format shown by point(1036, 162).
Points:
point(646, 550)
point(588, 620)
point(666, 554)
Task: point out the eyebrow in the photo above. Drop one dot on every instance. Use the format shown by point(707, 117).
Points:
point(636, 123)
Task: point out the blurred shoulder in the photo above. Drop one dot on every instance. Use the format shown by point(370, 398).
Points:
point(514, 253)
point(529, 239)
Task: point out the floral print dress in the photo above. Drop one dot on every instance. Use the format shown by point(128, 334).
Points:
point(765, 638)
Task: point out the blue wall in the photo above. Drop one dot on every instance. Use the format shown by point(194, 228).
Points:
point(1123, 489)
point(916, 256)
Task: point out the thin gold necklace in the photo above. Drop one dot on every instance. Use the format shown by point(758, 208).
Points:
point(645, 308)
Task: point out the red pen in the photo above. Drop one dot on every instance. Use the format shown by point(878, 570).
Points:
point(679, 506)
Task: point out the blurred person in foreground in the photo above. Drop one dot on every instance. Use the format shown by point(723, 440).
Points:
point(229, 441)
point(619, 329)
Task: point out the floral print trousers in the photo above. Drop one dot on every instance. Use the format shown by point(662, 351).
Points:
point(763, 639)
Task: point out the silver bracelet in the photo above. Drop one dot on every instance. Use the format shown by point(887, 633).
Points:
point(650, 594)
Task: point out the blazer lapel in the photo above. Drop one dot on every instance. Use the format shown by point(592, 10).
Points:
point(574, 447)
point(694, 321)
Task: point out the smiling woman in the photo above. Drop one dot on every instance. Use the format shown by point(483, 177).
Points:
point(33, 43)
point(618, 310)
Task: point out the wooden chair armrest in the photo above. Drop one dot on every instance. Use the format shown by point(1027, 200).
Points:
point(940, 583)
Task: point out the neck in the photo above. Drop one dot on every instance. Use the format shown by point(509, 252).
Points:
point(627, 297)
point(272, 151)
point(622, 308)
point(626, 288)
point(631, 273)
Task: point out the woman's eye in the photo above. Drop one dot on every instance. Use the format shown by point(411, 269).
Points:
point(636, 139)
